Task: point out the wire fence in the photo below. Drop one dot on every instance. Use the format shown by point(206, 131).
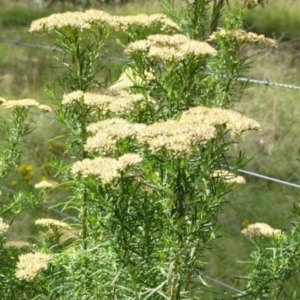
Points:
point(264, 82)
point(30, 45)
point(44, 205)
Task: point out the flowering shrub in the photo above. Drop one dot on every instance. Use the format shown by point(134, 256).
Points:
point(151, 149)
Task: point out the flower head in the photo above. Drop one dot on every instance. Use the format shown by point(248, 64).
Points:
point(175, 136)
point(17, 244)
point(101, 142)
point(45, 184)
point(243, 37)
point(45, 108)
point(51, 223)
point(60, 21)
point(70, 98)
point(106, 168)
point(117, 101)
point(235, 122)
point(260, 229)
point(129, 159)
point(31, 264)
point(94, 18)
point(143, 21)
point(170, 47)
point(228, 177)
point(20, 103)
point(115, 127)
point(3, 226)
point(108, 132)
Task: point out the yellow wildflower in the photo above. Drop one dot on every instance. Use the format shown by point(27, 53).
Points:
point(13, 183)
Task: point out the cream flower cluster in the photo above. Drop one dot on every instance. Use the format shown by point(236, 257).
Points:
point(117, 101)
point(260, 229)
point(72, 97)
point(170, 47)
point(78, 20)
point(45, 184)
point(107, 169)
point(31, 264)
point(20, 103)
point(51, 223)
point(3, 226)
point(17, 244)
point(25, 103)
point(243, 37)
point(93, 18)
point(175, 136)
point(143, 21)
point(197, 125)
point(235, 122)
point(45, 108)
point(228, 177)
point(106, 133)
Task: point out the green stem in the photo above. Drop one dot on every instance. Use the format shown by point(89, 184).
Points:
point(191, 270)
point(174, 281)
point(287, 275)
point(84, 219)
point(83, 133)
point(79, 65)
point(280, 290)
point(216, 14)
point(188, 279)
point(124, 245)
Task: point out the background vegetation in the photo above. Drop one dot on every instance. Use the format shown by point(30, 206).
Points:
point(24, 72)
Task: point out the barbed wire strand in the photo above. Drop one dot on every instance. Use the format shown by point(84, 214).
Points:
point(56, 49)
point(265, 82)
point(223, 284)
point(44, 205)
point(30, 45)
point(266, 177)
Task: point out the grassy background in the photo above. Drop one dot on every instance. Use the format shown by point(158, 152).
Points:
point(274, 151)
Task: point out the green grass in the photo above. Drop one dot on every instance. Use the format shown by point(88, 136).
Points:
point(20, 17)
point(24, 71)
point(278, 19)
point(274, 151)
point(275, 147)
